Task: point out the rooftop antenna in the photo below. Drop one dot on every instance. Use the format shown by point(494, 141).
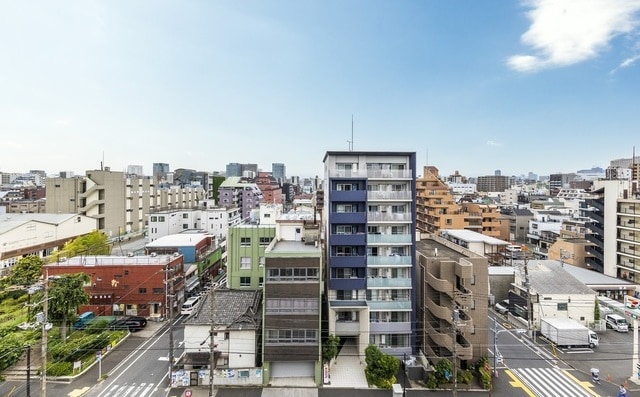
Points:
point(351, 141)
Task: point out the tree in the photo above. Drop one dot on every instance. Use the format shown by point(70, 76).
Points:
point(330, 348)
point(94, 243)
point(381, 368)
point(66, 294)
point(26, 271)
point(596, 311)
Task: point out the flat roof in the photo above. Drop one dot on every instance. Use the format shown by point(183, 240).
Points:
point(178, 240)
point(11, 221)
point(471, 236)
point(294, 246)
point(108, 260)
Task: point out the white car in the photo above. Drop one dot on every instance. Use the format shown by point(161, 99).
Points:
point(502, 307)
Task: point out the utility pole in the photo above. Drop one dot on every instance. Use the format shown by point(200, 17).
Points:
point(456, 317)
point(212, 345)
point(45, 308)
point(28, 370)
point(170, 295)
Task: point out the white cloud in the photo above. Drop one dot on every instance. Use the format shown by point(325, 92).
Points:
point(626, 63)
point(566, 32)
point(493, 143)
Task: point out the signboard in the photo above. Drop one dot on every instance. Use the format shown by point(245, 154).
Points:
point(326, 377)
point(99, 355)
point(187, 393)
point(631, 302)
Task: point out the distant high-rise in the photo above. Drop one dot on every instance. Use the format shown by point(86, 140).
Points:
point(497, 172)
point(160, 171)
point(134, 170)
point(237, 169)
point(279, 172)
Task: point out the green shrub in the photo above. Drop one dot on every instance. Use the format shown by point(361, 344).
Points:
point(97, 327)
point(60, 368)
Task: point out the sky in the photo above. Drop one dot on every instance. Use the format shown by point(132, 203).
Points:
point(540, 86)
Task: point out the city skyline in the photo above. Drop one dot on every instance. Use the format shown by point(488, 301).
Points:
point(534, 86)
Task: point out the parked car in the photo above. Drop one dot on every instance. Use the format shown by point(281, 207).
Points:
point(502, 307)
point(131, 323)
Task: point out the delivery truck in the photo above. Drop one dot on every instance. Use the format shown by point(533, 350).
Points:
point(566, 332)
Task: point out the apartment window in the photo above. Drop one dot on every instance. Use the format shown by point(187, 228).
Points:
point(261, 261)
point(161, 219)
point(261, 282)
point(397, 209)
point(373, 188)
point(343, 229)
point(374, 208)
point(245, 241)
point(154, 219)
point(245, 263)
point(397, 229)
point(292, 336)
point(185, 226)
point(397, 188)
point(345, 251)
point(345, 187)
point(245, 281)
point(126, 272)
point(158, 291)
point(344, 208)
point(142, 290)
point(185, 216)
point(264, 241)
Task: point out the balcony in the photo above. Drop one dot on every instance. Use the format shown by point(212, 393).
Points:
point(381, 327)
point(441, 312)
point(379, 216)
point(348, 217)
point(389, 174)
point(352, 283)
point(463, 349)
point(389, 261)
point(348, 239)
point(347, 328)
point(388, 238)
point(347, 261)
point(389, 305)
point(388, 282)
point(391, 196)
point(348, 195)
point(439, 284)
point(464, 269)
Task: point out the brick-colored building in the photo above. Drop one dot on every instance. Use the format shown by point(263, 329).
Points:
point(123, 285)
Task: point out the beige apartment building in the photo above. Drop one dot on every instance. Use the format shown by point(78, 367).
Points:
point(120, 202)
point(436, 208)
point(452, 305)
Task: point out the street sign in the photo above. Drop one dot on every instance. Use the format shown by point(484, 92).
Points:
point(187, 393)
point(99, 355)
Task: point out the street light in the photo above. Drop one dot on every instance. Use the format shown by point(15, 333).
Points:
point(495, 341)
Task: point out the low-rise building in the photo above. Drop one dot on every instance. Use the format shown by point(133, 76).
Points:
point(236, 328)
point(128, 285)
point(38, 234)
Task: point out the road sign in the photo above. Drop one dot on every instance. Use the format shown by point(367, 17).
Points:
point(99, 355)
point(187, 393)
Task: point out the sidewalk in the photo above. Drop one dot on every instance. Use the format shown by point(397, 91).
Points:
point(109, 359)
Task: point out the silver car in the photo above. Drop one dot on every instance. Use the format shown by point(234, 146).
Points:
point(502, 307)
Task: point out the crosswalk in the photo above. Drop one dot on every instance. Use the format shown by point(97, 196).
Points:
point(129, 390)
point(550, 382)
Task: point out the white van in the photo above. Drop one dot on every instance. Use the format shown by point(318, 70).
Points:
point(190, 305)
point(617, 322)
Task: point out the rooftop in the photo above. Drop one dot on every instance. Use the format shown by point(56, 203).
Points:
point(11, 221)
point(108, 260)
point(233, 309)
point(472, 237)
point(548, 277)
point(178, 240)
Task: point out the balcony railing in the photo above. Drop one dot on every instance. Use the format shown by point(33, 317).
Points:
point(388, 282)
point(375, 174)
point(390, 305)
point(379, 216)
point(393, 196)
point(389, 261)
point(388, 238)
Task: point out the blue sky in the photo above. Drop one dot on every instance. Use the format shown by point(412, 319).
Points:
point(539, 86)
